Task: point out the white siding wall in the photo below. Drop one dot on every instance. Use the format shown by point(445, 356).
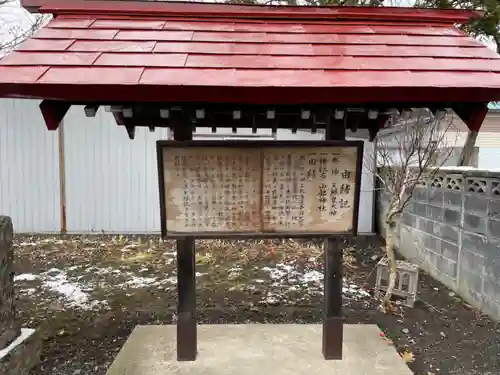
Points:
point(29, 171)
point(111, 181)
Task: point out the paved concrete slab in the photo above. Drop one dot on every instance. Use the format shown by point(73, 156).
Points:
point(257, 349)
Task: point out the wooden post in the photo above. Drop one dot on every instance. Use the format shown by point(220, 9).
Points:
point(332, 263)
point(186, 282)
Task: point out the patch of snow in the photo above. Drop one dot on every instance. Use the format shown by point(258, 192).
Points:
point(312, 276)
point(26, 277)
point(141, 282)
point(71, 292)
point(26, 244)
point(170, 280)
point(290, 278)
point(29, 291)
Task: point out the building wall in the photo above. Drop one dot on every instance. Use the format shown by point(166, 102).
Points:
point(451, 228)
point(111, 182)
point(29, 172)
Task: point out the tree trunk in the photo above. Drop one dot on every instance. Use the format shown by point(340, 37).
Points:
point(391, 258)
point(468, 149)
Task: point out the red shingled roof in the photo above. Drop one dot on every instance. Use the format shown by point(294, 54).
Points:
point(96, 51)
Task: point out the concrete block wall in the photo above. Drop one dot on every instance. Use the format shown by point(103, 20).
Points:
point(451, 228)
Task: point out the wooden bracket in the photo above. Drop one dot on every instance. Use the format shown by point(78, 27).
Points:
point(53, 112)
point(473, 114)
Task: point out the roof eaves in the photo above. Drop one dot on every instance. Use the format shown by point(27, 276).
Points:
point(210, 10)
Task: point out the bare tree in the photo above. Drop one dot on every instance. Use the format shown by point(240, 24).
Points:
point(409, 153)
point(16, 25)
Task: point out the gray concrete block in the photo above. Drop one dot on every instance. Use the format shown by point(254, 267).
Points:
point(475, 224)
point(491, 288)
point(420, 194)
point(473, 241)
point(433, 259)
point(435, 197)
point(420, 209)
point(494, 210)
point(492, 271)
point(435, 213)
point(490, 307)
point(430, 227)
point(470, 286)
point(449, 251)
point(448, 233)
point(447, 266)
point(494, 228)
point(471, 260)
point(432, 243)
point(453, 200)
point(409, 219)
point(421, 224)
point(491, 250)
point(451, 217)
point(476, 205)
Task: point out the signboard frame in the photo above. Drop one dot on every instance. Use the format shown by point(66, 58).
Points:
point(166, 144)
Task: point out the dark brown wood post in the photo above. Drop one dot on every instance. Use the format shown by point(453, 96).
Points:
point(332, 258)
point(186, 282)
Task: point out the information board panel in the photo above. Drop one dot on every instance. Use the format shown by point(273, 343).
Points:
point(225, 189)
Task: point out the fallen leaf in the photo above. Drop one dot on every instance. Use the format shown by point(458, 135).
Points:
point(407, 356)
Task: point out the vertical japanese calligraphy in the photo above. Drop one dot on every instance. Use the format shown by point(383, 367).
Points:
point(265, 189)
point(212, 190)
point(316, 186)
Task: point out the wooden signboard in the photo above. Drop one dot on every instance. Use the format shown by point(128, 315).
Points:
point(226, 189)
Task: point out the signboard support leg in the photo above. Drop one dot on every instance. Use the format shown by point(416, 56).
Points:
point(186, 300)
point(332, 257)
point(186, 281)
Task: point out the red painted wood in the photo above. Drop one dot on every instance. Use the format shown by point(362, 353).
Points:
point(254, 54)
point(71, 23)
point(49, 58)
point(48, 33)
point(94, 75)
point(236, 48)
point(53, 112)
point(142, 60)
point(402, 51)
point(93, 92)
point(155, 35)
point(334, 38)
point(322, 50)
point(130, 8)
point(25, 74)
point(128, 24)
point(316, 78)
point(340, 63)
point(112, 46)
point(45, 45)
point(294, 28)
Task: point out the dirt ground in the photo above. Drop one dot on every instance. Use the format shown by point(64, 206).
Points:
point(87, 293)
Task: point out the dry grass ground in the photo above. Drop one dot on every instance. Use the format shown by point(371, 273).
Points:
point(88, 293)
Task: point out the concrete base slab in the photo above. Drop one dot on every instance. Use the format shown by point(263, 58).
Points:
point(250, 349)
